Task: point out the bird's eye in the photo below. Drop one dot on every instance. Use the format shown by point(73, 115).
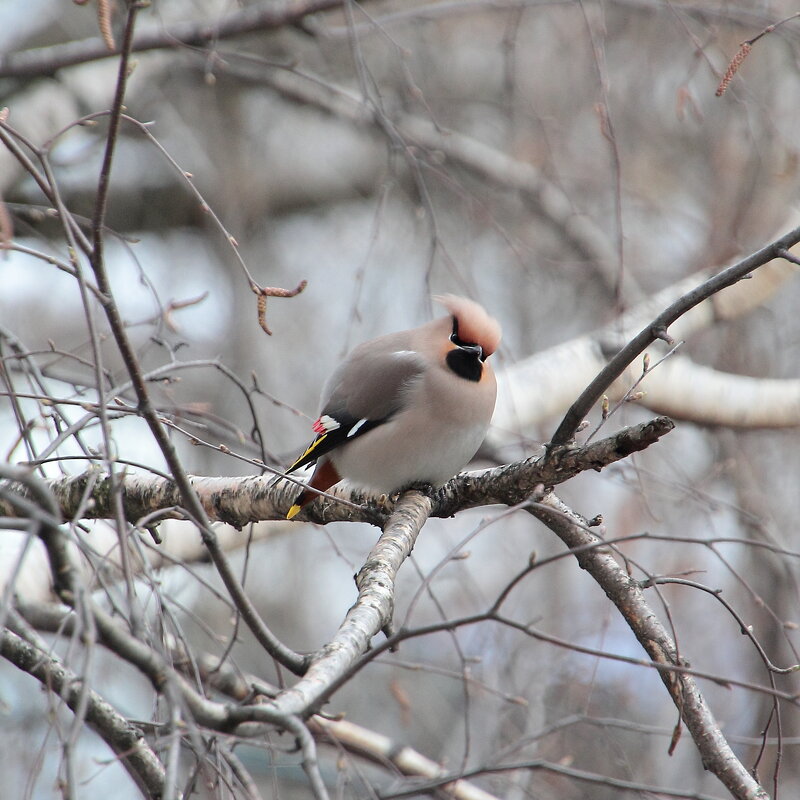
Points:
point(454, 335)
point(470, 347)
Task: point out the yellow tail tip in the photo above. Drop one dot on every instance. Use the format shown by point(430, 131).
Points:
point(293, 511)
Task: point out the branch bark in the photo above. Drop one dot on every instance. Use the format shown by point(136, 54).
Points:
point(370, 614)
point(123, 738)
point(542, 385)
point(688, 391)
point(628, 597)
point(657, 329)
point(43, 61)
point(240, 501)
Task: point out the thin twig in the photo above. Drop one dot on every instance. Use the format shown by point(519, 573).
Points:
point(657, 329)
point(628, 598)
point(264, 16)
point(124, 739)
point(263, 292)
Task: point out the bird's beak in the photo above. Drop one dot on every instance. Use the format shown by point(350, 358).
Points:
point(472, 348)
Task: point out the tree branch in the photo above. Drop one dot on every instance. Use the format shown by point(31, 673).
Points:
point(263, 17)
point(657, 329)
point(593, 778)
point(628, 597)
point(689, 391)
point(124, 739)
point(371, 613)
point(224, 677)
point(187, 498)
point(240, 501)
point(542, 385)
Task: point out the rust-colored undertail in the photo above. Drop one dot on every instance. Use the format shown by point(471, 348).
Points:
point(325, 476)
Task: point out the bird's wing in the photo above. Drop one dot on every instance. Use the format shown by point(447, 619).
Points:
point(367, 390)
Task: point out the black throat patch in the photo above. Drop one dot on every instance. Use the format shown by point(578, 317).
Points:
point(465, 364)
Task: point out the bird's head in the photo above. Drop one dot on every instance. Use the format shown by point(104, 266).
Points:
point(473, 329)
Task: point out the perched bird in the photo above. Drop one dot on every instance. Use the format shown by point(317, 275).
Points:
point(408, 407)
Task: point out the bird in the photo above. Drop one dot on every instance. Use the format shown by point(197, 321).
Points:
point(411, 407)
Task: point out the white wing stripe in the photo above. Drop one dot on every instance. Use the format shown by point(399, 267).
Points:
point(354, 430)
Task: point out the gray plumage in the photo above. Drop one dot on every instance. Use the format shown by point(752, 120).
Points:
point(408, 407)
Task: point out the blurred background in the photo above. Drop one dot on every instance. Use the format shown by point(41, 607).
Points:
point(558, 161)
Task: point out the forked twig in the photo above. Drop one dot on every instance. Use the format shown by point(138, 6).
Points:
point(744, 51)
point(263, 292)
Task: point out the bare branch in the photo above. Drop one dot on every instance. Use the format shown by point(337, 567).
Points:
point(224, 677)
point(733, 274)
point(383, 750)
point(81, 400)
point(124, 739)
point(545, 198)
point(628, 597)
point(240, 501)
point(263, 292)
point(371, 613)
point(103, 182)
point(592, 778)
point(262, 17)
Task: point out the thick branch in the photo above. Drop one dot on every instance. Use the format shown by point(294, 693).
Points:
point(124, 739)
point(538, 387)
point(27, 496)
point(371, 613)
point(383, 750)
point(685, 390)
point(628, 597)
point(658, 329)
point(240, 501)
point(263, 17)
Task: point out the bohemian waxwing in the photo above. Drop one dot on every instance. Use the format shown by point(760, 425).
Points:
point(408, 407)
